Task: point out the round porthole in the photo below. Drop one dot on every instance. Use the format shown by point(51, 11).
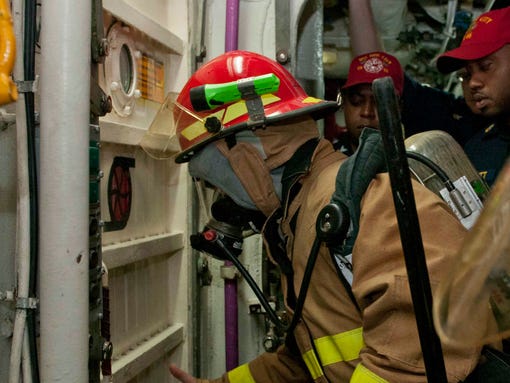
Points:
point(121, 69)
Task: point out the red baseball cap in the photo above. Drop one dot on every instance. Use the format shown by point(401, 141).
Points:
point(370, 66)
point(487, 34)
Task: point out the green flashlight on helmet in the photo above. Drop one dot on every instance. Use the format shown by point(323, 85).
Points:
point(211, 96)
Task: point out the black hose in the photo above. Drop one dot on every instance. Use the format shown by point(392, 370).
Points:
point(434, 167)
point(30, 17)
point(262, 299)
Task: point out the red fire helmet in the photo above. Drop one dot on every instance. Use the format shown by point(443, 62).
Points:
point(288, 101)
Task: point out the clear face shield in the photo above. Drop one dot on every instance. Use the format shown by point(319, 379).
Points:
point(161, 140)
point(232, 100)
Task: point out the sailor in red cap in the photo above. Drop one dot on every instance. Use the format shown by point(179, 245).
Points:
point(479, 121)
point(357, 96)
point(487, 35)
point(482, 62)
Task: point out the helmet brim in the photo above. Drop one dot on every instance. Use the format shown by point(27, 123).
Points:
point(316, 111)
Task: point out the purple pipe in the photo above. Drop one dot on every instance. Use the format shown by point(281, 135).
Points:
point(232, 25)
point(231, 321)
point(231, 325)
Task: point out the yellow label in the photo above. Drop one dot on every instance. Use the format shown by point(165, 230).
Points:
point(151, 79)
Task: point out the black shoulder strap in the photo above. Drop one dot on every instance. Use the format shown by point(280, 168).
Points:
point(344, 210)
point(353, 179)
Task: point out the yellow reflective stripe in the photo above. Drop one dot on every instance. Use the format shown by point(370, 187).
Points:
point(239, 108)
point(193, 131)
point(312, 364)
point(240, 374)
point(198, 128)
point(364, 375)
point(226, 115)
point(311, 100)
point(234, 111)
point(341, 347)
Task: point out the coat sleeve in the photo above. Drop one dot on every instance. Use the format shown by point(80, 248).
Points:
point(280, 366)
point(393, 349)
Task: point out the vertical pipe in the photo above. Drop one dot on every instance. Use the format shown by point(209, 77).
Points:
point(231, 322)
point(232, 25)
point(231, 310)
point(22, 209)
point(64, 189)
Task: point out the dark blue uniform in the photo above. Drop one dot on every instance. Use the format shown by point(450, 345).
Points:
point(425, 108)
point(488, 149)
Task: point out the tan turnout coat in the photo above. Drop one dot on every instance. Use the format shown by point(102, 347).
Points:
point(336, 342)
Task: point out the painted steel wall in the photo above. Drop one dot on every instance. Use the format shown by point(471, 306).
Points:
point(147, 261)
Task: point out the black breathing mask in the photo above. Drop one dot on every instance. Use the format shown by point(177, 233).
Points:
point(227, 228)
point(222, 237)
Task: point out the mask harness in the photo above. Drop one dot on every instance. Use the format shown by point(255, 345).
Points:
point(222, 236)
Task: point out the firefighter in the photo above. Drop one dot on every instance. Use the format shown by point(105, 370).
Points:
point(266, 154)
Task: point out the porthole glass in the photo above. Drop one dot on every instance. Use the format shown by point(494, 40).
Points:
point(126, 68)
